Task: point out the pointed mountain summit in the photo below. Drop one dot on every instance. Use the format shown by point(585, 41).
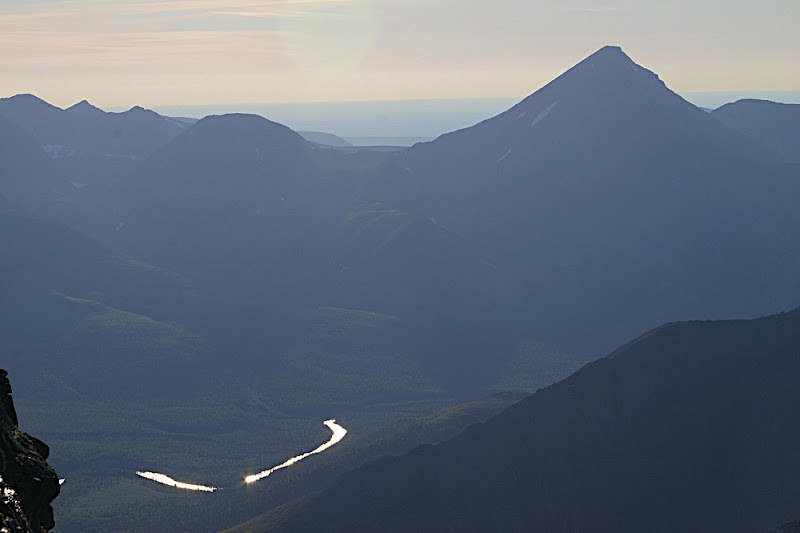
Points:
point(614, 201)
point(608, 73)
point(605, 107)
point(139, 111)
point(85, 108)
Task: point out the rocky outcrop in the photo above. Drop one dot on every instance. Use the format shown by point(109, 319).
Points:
point(790, 527)
point(27, 483)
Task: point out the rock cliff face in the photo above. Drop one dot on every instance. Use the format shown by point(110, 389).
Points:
point(27, 483)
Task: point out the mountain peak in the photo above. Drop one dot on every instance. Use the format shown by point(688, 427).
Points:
point(610, 56)
point(234, 122)
point(610, 49)
point(609, 71)
point(138, 110)
point(25, 96)
point(29, 99)
point(84, 107)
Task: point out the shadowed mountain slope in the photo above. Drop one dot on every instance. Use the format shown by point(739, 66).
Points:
point(61, 259)
point(602, 199)
point(691, 427)
point(225, 172)
point(238, 204)
point(776, 126)
point(613, 203)
point(76, 318)
point(239, 503)
point(61, 163)
point(27, 176)
point(273, 226)
point(321, 137)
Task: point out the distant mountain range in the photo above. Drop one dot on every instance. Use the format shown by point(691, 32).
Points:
point(88, 150)
point(85, 129)
point(236, 262)
point(601, 172)
point(603, 199)
point(693, 426)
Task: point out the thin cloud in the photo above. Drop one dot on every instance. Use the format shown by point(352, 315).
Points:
point(256, 14)
point(597, 9)
point(27, 16)
point(183, 50)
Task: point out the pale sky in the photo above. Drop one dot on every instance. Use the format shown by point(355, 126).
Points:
point(211, 52)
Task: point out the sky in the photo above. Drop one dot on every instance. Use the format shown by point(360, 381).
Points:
point(197, 54)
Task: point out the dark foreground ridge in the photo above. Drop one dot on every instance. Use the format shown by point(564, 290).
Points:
point(27, 483)
point(694, 426)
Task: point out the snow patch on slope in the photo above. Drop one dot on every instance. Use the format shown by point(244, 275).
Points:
point(546, 111)
point(504, 155)
point(58, 151)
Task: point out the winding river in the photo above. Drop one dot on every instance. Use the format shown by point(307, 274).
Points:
point(337, 434)
point(166, 480)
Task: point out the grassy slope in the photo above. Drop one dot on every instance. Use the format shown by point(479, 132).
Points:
point(97, 447)
point(394, 438)
point(224, 428)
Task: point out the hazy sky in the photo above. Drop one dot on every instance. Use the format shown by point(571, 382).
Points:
point(194, 52)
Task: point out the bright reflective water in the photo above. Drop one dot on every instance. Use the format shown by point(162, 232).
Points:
point(166, 480)
point(337, 434)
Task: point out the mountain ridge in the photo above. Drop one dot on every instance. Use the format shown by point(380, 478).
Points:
point(602, 171)
point(687, 414)
point(88, 130)
point(772, 124)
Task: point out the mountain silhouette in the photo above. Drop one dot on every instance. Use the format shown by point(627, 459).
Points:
point(84, 129)
point(615, 203)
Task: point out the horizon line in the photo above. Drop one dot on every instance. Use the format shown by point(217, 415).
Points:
point(790, 97)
